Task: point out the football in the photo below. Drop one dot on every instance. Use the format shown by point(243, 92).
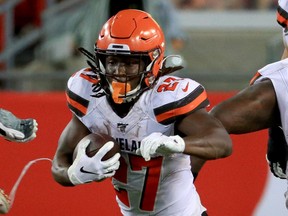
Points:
point(97, 140)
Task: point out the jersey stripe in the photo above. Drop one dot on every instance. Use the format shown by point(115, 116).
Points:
point(89, 78)
point(76, 103)
point(195, 100)
point(282, 17)
point(255, 77)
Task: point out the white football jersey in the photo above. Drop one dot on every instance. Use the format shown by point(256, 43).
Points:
point(164, 185)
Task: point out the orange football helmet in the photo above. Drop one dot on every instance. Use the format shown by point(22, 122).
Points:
point(131, 33)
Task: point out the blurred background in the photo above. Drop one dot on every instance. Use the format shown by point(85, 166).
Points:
point(223, 43)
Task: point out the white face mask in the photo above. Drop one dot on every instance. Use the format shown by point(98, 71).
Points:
point(124, 77)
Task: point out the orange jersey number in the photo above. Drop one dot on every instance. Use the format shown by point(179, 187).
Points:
point(150, 180)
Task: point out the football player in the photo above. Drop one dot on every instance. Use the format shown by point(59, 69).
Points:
point(263, 105)
point(127, 92)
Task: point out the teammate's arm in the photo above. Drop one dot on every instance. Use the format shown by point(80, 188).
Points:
point(250, 110)
point(255, 108)
point(71, 135)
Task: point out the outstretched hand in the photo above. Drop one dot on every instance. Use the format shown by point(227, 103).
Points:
point(15, 129)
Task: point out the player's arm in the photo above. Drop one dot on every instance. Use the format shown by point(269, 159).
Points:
point(68, 172)
point(250, 110)
point(253, 109)
point(71, 135)
point(211, 137)
point(205, 137)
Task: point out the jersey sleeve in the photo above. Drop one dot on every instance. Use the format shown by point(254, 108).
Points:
point(79, 91)
point(176, 97)
point(269, 71)
point(254, 78)
point(282, 13)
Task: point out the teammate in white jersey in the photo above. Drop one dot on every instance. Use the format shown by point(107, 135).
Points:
point(126, 94)
point(264, 105)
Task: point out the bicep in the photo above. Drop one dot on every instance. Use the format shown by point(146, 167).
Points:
point(71, 135)
point(206, 137)
point(250, 110)
point(199, 123)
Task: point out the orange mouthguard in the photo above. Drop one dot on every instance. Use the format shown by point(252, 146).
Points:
point(119, 89)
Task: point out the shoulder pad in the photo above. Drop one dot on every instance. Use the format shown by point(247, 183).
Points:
point(79, 91)
point(174, 97)
point(269, 70)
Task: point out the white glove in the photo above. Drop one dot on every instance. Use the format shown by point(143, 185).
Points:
point(159, 144)
point(15, 129)
point(276, 169)
point(85, 169)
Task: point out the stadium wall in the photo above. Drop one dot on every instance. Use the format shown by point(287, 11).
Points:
point(240, 185)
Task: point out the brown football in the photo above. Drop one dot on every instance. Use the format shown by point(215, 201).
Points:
point(97, 140)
